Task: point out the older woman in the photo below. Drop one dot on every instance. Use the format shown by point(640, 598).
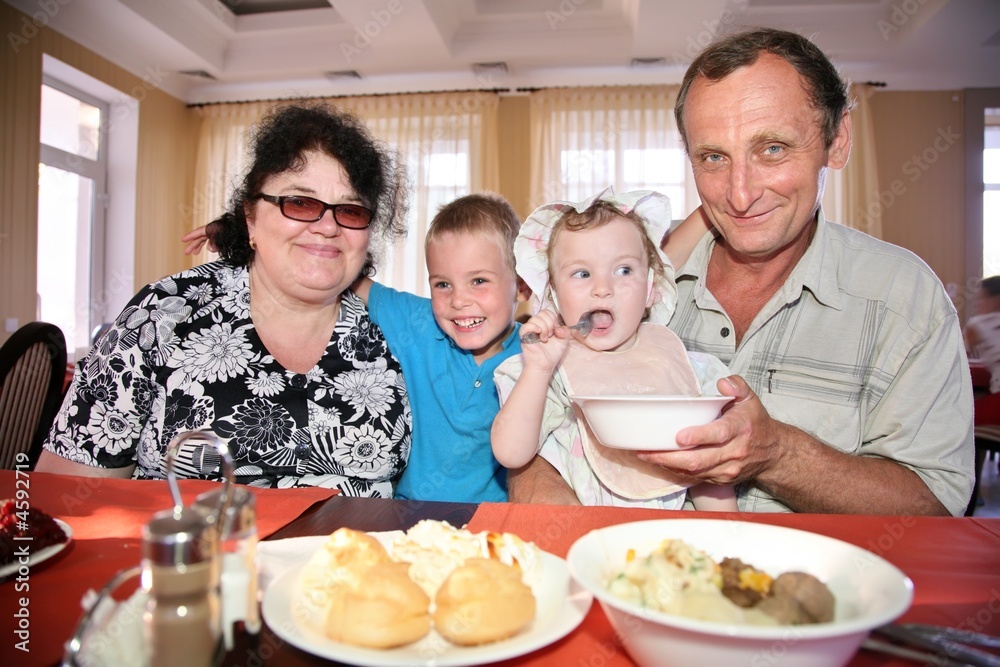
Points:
point(267, 347)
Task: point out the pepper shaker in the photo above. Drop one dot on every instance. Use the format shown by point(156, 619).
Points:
point(238, 549)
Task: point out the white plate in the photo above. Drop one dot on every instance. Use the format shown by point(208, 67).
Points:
point(39, 556)
point(562, 605)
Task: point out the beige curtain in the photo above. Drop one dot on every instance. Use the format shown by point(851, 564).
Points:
point(448, 141)
point(584, 139)
point(861, 207)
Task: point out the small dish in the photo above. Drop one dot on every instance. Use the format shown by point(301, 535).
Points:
point(41, 555)
point(646, 422)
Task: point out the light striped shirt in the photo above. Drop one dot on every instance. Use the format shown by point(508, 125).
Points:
point(861, 348)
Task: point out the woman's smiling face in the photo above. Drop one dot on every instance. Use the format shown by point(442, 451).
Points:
point(603, 269)
point(311, 262)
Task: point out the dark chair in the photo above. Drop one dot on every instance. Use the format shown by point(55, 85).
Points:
point(987, 440)
point(32, 372)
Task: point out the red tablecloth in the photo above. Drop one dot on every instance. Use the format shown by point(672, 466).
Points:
point(106, 516)
point(954, 564)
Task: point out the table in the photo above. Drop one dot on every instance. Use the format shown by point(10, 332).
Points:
point(953, 562)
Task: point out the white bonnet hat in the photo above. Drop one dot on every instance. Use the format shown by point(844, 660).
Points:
point(533, 241)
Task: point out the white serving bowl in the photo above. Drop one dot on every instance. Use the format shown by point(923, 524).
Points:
point(869, 592)
point(646, 422)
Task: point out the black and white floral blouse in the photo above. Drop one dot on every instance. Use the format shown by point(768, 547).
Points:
point(184, 355)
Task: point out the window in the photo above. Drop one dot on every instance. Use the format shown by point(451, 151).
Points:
point(587, 139)
point(72, 191)
point(89, 141)
point(991, 193)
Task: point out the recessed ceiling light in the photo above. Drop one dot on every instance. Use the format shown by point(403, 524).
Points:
point(488, 69)
point(639, 63)
point(198, 73)
point(343, 75)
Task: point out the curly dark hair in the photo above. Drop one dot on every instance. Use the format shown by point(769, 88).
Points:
point(279, 143)
point(826, 88)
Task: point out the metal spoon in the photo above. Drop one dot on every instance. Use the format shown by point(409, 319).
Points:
point(582, 327)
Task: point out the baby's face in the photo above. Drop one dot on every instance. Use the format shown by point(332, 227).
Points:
point(605, 270)
point(473, 292)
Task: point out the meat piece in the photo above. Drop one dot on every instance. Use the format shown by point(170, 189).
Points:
point(784, 609)
point(744, 585)
point(813, 596)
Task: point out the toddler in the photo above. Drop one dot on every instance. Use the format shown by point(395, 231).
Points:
point(599, 256)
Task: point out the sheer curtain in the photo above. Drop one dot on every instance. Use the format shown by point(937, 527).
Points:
point(448, 141)
point(860, 199)
point(584, 139)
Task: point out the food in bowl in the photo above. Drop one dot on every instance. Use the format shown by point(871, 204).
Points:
point(392, 589)
point(868, 592)
point(677, 578)
point(644, 421)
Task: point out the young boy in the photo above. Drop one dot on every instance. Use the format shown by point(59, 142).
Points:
point(449, 346)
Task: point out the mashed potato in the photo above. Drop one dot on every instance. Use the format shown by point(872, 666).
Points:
point(435, 548)
point(677, 579)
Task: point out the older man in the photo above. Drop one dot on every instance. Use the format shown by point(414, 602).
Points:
point(851, 382)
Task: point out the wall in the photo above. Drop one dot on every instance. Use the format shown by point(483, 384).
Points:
point(166, 152)
point(514, 121)
point(921, 168)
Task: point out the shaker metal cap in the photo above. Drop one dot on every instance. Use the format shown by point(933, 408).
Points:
point(179, 538)
point(241, 514)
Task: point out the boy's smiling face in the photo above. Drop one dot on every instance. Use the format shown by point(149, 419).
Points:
point(473, 292)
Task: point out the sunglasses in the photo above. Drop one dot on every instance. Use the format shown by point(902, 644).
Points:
point(307, 209)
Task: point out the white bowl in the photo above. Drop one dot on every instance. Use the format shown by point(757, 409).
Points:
point(869, 592)
point(646, 422)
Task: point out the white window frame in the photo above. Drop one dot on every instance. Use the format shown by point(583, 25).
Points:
point(119, 142)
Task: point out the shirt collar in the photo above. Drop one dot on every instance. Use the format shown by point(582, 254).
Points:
point(816, 270)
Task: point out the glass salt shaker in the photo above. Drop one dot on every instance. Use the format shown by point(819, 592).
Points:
point(239, 559)
point(180, 574)
point(181, 571)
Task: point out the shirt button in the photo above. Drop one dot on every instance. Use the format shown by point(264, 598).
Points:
point(478, 383)
point(725, 332)
point(298, 381)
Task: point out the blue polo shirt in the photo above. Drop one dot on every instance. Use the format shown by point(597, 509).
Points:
point(454, 402)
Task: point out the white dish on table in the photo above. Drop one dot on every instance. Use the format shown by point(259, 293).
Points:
point(646, 422)
point(869, 592)
point(561, 603)
point(42, 554)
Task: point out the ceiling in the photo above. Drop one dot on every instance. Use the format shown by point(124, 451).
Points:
point(203, 51)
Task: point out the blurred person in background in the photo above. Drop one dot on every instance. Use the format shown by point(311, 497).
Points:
point(982, 339)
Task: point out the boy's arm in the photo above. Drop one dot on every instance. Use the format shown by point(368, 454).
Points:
point(197, 238)
point(683, 239)
point(362, 287)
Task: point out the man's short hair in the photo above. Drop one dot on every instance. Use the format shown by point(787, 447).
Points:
point(827, 90)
